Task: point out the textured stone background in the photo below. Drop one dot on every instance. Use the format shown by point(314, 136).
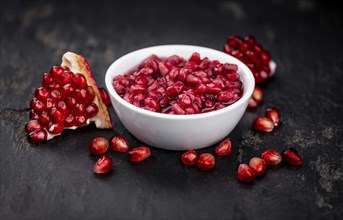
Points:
point(55, 180)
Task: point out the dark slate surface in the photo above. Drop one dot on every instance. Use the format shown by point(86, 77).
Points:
point(55, 180)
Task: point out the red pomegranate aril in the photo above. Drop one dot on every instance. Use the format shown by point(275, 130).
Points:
point(274, 115)
point(66, 77)
point(103, 165)
point(291, 156)
point(68, 89)
point(98, 145)
point(38, 136)
point(258, 165)
point(61, 105)
point(32, 126)
point(57, 71)
point(104, 96)
point(56, 128)
point(206, 161)
point(81, 95)
point(79, 80)
point(271, 157)
point(33, 115)
point(224, 148)
point(80, 120)
point(55, 94)
point(245, 173)
point(44, 118)
point(91, 94)
point(57, 115)
point(189, 158)
point(177, 109)
point(256, 97)
point(54, 85)
point(120, 144)
point(263, 124)
point(37, 105)
point(70, 102)
point(42, 93)
point(47, 79)
point(92, 110)
point(80, 109)
point(138, 154)
point(69, 120)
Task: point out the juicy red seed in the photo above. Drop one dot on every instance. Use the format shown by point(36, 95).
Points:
point(274, 115)
point(91, 94)
point(66, 77)
point(33, 115)
point(291, 156)
point(103, 165)
point(104, 96)
point(120, 144)
point(195, 57)
point(61, 105)
point(44, 118)
point(57, 71)
point(245, 173)
point(258, 165)
point(42, 93)
point(92, 110)
point(38, 136)
point(177, 109)
point(98, 145)
point(271, 157)
point(80, 120)
point(37, 105)
point(256, 98)
point(70, 102)
point(50, 104)
point(56, 128)
point(80, 109)
point(193, 80)
point(263, 124)
point(206, 161)
point(224, 148)
point(47, 79)
point(55, 94)
point(57, 115)
point(138, 154)
point(69, 120)
point(32, 126)
point(68, 89)
point(81, 95)
point(79, 80)
point(189, 158)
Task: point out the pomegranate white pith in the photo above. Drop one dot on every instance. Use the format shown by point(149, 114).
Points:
point(69, 98)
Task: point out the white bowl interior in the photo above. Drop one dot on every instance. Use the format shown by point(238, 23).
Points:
point(178, 132)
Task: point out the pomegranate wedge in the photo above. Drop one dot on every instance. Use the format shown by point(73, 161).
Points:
point(68, 98)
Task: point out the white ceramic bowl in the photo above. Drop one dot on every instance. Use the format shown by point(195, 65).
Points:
point(178, 132)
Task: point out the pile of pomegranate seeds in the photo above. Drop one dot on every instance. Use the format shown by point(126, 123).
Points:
point(253, 55)
point(100, 145)
point(66, 100)
point(174, 85)
point(269, 122)
point(257, 165)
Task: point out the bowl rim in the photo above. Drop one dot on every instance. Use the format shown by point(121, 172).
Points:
point(246, 95)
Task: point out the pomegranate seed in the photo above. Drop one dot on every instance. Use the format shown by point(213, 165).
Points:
point(263, 124)
point(69, 120)
point(120, 144)
point(104, 96)
point(38, 136)
point(80, 120)
point(291, 156)
point(98, 145)
point(32, 126)
point(56, 128)
point(189, 158)
point(256, 98)
point(57, 71)
point(103, 165)
point(258, 165)
point(91, 94)
point(42, 93)
point(55, 94)
point(274, 115)
point(245, 173)
point(37, 105)
point(61, 105)
point(206, 161)
point(92, 110)
point(224, 148)
point(47, 79)
point(271, 157)
point(138, 154)
point(44, 118)
point(79, 80)
point(57, 115)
